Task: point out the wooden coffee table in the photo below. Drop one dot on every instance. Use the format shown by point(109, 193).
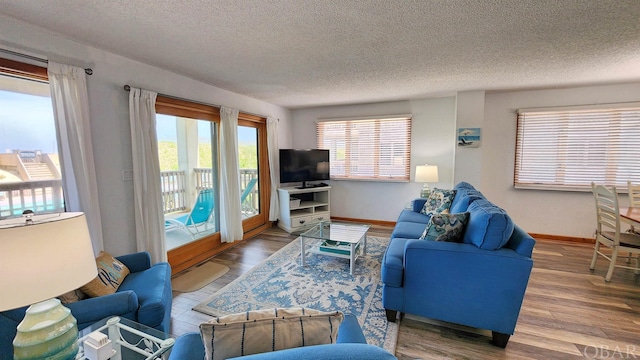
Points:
point(338, 239)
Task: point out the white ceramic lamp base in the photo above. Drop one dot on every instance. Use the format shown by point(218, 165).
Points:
point(48, 331)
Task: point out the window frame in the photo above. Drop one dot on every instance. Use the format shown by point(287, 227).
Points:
point(580, 155)
point(402, 144)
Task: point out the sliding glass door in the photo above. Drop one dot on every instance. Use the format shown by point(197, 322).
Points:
point(189, 154)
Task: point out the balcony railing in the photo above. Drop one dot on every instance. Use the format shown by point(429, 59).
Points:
point(46, 195)
point(174, 192)
point(39, 196)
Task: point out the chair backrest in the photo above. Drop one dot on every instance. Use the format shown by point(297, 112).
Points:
point(202, 209)
point(607, 210)
point(634, 194)
point(248, 190)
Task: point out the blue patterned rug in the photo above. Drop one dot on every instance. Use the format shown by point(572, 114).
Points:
point(323, 284)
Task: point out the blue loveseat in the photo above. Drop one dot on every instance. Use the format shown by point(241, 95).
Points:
point(144, 296)
point(350, 345)
point(478, 283)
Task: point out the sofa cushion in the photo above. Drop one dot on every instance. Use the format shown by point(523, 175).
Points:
point(111, 273)
point(489, 226)
point(412, 216)
point(446, 227)
point(464, 197)
point(409, 230)
point(262, 331)
point(439, 200)
point(463, 185)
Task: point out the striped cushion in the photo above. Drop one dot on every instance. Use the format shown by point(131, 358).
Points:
point(268, 330)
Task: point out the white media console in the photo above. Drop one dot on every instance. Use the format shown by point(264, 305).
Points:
point(312, 208)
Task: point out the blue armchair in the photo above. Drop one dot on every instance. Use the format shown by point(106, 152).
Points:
point(144, 296)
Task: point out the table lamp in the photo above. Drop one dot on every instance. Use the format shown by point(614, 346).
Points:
point(41, 257)
point(426, 174)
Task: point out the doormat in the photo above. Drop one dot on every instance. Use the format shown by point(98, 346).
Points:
point(198, 277)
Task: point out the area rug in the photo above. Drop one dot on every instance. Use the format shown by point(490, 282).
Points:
point(198, 277)
point(323, 284)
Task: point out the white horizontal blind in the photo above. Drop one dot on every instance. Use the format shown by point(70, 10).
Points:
point(569, 149)
point(370, 149)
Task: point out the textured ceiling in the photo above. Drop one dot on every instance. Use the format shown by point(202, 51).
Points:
point(301, 53)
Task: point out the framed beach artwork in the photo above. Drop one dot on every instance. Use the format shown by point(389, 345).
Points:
point(469, 137)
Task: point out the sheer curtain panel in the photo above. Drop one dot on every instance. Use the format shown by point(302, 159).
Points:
point(230, 207)
point(70, 101)
point(146, 175)
point(274, 166)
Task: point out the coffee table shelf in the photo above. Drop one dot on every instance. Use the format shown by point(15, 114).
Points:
point(351, 240)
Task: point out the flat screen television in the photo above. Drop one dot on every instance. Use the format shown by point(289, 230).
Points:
point(304, 165)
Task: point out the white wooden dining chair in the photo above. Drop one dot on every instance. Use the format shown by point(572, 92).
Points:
point(634, 200)
point(608, 232)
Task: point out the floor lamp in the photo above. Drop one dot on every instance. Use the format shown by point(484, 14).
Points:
point(426, 174)
point(41, 257)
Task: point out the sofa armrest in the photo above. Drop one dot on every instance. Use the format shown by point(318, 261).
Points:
point(463, 284)
point(418, 204)
point(89, 311)
point(521, 242)
point(350, 331)
point(136, 262)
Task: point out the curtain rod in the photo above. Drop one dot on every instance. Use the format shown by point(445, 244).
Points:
point(87, 71)
point(128, 88)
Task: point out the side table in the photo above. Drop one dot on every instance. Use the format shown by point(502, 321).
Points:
point(130, 340)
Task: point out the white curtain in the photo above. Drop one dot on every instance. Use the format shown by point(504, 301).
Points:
point(230, 207)
point(70, 101)
point(146, 175)
point(274, 166)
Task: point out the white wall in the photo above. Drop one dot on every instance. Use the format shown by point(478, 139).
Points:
point(469, 114)
point(542, 212)
point(110, 114)
point(433, 133)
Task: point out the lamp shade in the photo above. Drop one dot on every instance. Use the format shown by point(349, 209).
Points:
point(44, 257)
point(427, 173)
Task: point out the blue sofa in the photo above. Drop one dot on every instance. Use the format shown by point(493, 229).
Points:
point(350, 345)
point(478, 283)
point(144, 296)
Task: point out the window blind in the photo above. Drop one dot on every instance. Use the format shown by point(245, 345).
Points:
point(567, 149)
point(367, 149)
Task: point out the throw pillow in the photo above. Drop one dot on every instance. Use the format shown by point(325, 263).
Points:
point(268, 330)
point(438, 201)
point(111, 272)
point(72, 296)
point(446, 227)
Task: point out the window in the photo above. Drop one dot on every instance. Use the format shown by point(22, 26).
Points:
point(568, 148)
point(30, 172)
point(367, 149)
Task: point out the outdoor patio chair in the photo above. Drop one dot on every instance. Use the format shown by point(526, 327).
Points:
point(199, 215)
point(247, 209)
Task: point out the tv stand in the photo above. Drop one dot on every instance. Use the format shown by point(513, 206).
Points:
point(304, 186)
point(312, 208)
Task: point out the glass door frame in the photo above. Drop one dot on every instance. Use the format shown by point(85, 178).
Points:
point(201, 249)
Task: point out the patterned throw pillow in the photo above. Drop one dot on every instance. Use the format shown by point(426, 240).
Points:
point(260, 331)
point(438, 201)
point(111, 272)
point(446, 227)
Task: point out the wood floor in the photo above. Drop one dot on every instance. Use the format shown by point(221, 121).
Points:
point(568, 312)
